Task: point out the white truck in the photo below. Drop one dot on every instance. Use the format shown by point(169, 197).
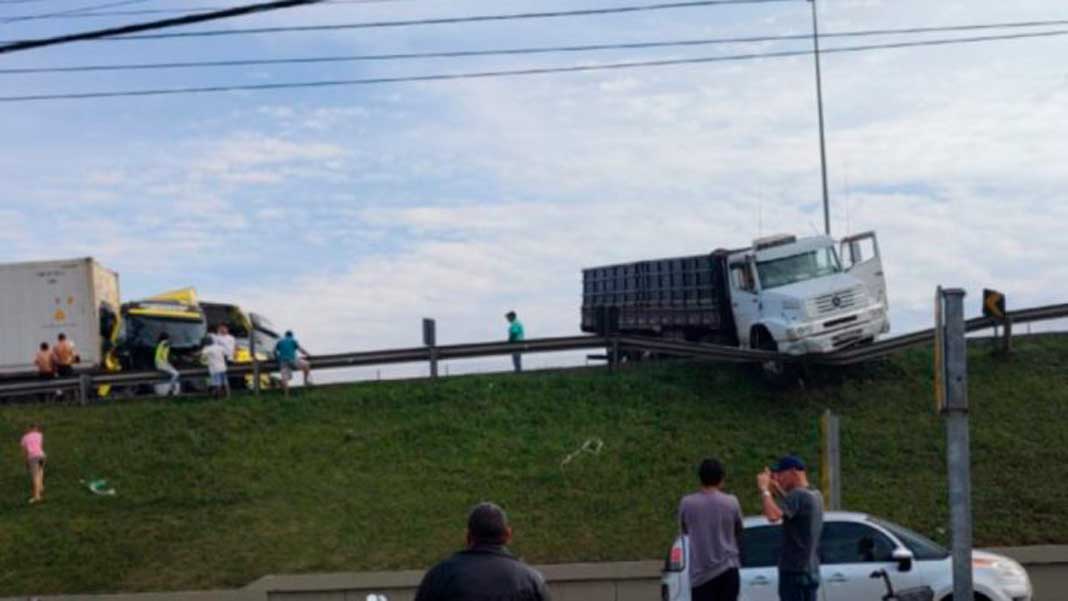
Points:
point(785, 294)
point(40, 300)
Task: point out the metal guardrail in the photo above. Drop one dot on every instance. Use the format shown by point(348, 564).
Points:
point(86, 382)
point(898, 343)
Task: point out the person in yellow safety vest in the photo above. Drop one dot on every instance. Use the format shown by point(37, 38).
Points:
point(163, 363)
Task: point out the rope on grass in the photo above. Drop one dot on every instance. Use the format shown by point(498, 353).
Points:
point(592, 446)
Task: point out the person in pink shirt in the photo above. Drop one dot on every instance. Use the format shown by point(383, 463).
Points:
point(33, 448)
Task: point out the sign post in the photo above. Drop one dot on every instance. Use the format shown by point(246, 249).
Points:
point(994, 308)
point(951, 390)
point(830, 461)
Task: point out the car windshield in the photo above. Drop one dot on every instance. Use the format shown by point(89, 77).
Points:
point(921, 546)
point(798, 268)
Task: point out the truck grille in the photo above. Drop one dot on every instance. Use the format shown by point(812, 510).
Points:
point(839, 300)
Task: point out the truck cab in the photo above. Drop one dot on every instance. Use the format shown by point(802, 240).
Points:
point(176, 313)
point(798, 296)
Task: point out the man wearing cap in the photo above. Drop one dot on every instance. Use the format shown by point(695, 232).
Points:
point(801, 510)
point(485, 570)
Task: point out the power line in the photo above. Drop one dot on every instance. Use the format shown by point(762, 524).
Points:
point(513, 51)
point(74, 11)
point(173, 22)
point(523, 72)
point(83, 13)
point(450, 20)
point(563, 14)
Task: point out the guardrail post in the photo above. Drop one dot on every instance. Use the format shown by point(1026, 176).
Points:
point(430, 339)
point(613, 355)
point(255, 363)
point(85, 383)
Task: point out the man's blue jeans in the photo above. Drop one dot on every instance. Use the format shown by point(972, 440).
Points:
point(798, 586)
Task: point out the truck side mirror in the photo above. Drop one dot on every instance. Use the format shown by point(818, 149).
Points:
point(903, 557)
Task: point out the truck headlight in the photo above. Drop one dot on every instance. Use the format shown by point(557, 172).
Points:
point(799, 331)
point(876, 312)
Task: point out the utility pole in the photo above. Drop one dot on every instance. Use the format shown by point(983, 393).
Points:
point(819, 107)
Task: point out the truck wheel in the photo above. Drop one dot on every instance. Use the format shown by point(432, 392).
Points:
point(776, 371)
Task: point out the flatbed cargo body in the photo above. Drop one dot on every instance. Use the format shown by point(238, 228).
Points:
point(683, 297)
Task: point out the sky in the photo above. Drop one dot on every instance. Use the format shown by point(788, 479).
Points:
point(350, 213)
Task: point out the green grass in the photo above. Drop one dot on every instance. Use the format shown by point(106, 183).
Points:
point(380, 475)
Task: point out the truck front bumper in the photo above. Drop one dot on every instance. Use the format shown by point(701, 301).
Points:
point(837, 338)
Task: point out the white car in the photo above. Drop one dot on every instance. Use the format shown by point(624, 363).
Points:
point(852, 546)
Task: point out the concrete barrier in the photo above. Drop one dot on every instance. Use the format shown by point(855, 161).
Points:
point(618, 581)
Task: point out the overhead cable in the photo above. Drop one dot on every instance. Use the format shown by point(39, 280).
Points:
point(73, 11)
point(449, 20)
point(161, 24)
point(511, 51)
point(370, 25)
point(521, 72)
point(99, 12)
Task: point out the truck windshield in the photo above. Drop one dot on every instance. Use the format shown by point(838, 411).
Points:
point(144, 331)
point(798, 268)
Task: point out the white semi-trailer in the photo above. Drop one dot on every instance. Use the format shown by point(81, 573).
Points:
point(39, 300)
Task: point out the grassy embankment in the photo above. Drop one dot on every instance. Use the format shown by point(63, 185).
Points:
point(379, 475)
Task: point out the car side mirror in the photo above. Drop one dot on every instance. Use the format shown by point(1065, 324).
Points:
point(904, 558)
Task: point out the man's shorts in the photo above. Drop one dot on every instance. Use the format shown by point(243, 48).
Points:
point(35, 465)
point(286, 367)
point(218, 379)
point(65, 371)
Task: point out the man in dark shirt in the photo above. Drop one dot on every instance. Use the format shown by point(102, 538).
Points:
point(801, 512)
point(485, 570)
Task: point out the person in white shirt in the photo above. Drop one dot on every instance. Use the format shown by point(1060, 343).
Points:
point(226, 340)
point(214, 355)
point(221, 335)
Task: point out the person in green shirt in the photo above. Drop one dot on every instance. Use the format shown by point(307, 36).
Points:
point(515, 334)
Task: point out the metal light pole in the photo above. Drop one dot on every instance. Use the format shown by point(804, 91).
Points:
point(819, 106)
point(958, 439)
